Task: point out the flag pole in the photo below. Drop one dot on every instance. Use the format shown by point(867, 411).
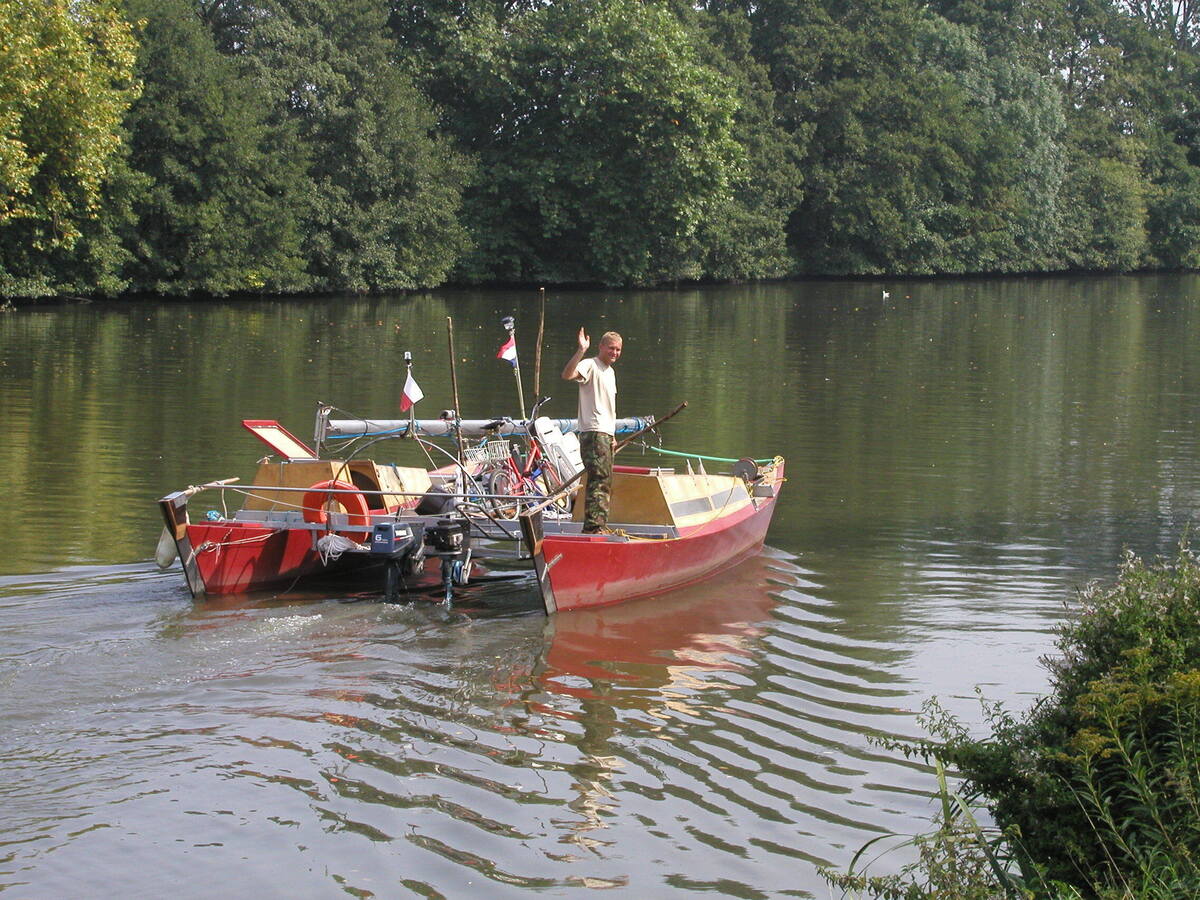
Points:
point(511, 327)
point(412, 409)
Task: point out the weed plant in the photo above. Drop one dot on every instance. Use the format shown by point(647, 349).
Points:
point(960, 859)
point(1095, 791)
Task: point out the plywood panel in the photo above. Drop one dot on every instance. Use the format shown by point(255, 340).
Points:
point(696, 499)
point(363, 474)
point(636, 500)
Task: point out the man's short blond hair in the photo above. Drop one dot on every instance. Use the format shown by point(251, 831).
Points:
point(611, 337)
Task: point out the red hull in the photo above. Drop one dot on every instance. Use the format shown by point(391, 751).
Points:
point(587, 571)
point(236, 558)
point(706, 627)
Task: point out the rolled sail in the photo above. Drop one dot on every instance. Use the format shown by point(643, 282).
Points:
point(444, 428)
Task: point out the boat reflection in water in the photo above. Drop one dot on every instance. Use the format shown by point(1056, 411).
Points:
point(597, 738)
point(649, 668)
point(661, 643)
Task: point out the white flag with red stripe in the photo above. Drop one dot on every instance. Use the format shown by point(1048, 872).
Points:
point(412, 393)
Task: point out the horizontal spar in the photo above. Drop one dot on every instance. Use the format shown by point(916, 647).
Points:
point(473, 428)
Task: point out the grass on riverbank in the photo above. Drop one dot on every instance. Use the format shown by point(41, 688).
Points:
point(1095, 791)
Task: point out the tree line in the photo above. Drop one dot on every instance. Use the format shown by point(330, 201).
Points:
point(279, 146)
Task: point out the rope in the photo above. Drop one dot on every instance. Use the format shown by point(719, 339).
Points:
point(208, 546)
point(725, 459)
point(257, 492)
point(218, 546)
point(720, 512)
point(331, 546)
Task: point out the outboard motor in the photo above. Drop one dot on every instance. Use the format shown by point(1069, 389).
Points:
point(438, 500)
point(448, 536)
point(451, 540)
point(401, 547)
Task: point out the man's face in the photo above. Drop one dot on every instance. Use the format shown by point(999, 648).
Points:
point(610, 352)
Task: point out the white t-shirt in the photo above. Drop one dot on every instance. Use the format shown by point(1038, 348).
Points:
point(597, 396)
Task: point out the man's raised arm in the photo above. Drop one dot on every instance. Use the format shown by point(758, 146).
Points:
point(570, 371)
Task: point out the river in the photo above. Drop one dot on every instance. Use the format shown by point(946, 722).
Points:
point(962, 457)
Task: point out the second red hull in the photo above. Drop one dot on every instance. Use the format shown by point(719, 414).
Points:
point(587, 571)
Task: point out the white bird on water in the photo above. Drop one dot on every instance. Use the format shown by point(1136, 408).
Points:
point(886, 295)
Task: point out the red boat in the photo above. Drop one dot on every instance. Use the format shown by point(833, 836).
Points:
point(670, 530)
point(708, 626)
point(406, 528)
point(306, 518)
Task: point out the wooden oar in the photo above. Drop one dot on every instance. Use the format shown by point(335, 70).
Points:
point(621, 446)
point(651, 427)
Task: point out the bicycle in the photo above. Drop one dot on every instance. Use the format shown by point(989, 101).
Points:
point(504, 476)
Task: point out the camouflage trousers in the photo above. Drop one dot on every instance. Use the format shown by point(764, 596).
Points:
point(596, 449)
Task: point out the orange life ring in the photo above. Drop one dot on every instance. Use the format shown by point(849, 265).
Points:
point(318, 498)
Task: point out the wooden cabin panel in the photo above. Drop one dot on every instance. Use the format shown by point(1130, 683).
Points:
point(300, 474)
point(636, 500)
point(409, 482)
point(696, 499)
point(363, 474)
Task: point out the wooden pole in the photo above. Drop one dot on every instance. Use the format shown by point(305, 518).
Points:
point(621, 446)
point(454, 386)
point(510, 325)
point(653, 426)
point(412, 410)
point(537, 355)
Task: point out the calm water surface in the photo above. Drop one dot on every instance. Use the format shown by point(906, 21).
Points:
point(962, 457)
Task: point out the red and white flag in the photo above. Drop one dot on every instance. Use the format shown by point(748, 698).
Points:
point(412, 393)
point(508, 351)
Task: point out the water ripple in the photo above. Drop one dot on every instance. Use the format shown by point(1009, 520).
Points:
point(730, 725)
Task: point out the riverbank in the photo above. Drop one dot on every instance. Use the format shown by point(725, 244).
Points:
point(350, 148)
point(897, 286)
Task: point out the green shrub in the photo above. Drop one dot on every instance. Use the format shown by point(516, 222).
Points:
point(1100, 778)
point(1096, 790)
point(959, 860)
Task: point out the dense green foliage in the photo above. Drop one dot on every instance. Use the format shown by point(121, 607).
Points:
point(221, 206)
point(66, 80)
point(1096, 790)
point(602, 151)
point(1103, 778)
point(361, 145)
point(383, 188)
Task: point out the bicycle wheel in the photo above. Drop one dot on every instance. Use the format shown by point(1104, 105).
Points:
point(553, 483)
point(503, 483)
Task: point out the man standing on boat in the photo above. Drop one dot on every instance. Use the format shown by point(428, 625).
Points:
point(597, 422)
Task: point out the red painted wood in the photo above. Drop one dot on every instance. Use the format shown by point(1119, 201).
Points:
point(238, 557)
point(593, 571)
